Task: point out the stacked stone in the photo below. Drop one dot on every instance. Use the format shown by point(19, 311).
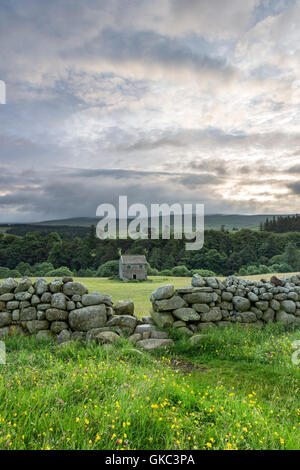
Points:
point(211, 303)
point(64, 309)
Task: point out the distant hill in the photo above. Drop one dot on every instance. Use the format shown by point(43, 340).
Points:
point(79, 226)
point(212, 221)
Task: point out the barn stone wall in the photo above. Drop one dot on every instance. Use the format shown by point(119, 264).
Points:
point(211, 303)
point(66, 311)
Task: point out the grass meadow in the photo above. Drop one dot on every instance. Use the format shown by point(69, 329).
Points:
point(236, 389)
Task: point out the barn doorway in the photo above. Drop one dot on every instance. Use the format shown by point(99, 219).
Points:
point(134, 276)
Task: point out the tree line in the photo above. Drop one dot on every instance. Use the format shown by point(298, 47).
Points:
point(281, 224)
point(224, 253)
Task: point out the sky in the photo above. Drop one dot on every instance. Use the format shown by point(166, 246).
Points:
point(165, 101)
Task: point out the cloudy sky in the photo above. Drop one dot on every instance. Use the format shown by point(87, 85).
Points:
point(161, 100)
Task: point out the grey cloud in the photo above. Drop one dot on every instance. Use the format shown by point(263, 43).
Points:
point(294, 188)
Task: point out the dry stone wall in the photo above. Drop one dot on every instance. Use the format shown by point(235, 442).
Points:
point(211, 303)
point(66, 311)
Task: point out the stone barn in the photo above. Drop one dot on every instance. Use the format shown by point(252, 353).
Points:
point(133, 267)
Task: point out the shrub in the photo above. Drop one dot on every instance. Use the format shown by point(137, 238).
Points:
point(4, 273)
point(180, 271)
point(108, 269)
point(204, 272)
point(166, 272)
point(24, 268)
point(40, 269)
point(63, 271)
point(285, 268)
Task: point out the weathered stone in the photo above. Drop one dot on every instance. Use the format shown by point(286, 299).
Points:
point(74, 288)
point(124, 307)
point(33, 326)
point(241, 304)
point(23, 296)
point(186, 314)
point(87, 318)
point(198, 298)
point(41, 287)
point(253, 297)
point(23, 285)
point(268, 315)
point(178, 324)
point(41, 315)
point(8, 285)
point(58, 326)
point(246, 317)
point(63, 336)
point(91, 334)
point(227, 296)
point(5, 319)
point(185, 331)
point(16, 315)
point(55, 286)
point(163, 292)
point(76, 298)
point(213, 315)
point(28, 314)
point(71, 305)
point(135, 338)
point(46, 298)
point(156, 334)
point(262, 305)
point(55, 314)
point(162, 319)
point(285, 318)
point(211, 282)
point(226, 305)
point(78, 335)
point(288, 306)
point(91, 299)
point(59, 301)
point(198, 281)
point(126, 322)
point(107, 337)
point(201, 308)
point(169, 304)
point(43, 306)
point(150, 344)
point(275, 305)
point(43, 335)
point(12, 305)
point(35, 300)
point(6, 297)
point(142, 328)
point(277, 282)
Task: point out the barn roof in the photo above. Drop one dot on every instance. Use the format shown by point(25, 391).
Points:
point(133, 259)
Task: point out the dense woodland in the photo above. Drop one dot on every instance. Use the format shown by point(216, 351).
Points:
point(282, 224)
point(224, 253)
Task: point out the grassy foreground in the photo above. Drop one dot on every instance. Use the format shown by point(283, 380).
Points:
point(237, 389)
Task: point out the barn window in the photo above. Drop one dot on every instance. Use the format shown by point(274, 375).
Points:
point(128, 267)
point(141, 267)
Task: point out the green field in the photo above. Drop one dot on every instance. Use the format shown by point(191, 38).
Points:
point(236, 389)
